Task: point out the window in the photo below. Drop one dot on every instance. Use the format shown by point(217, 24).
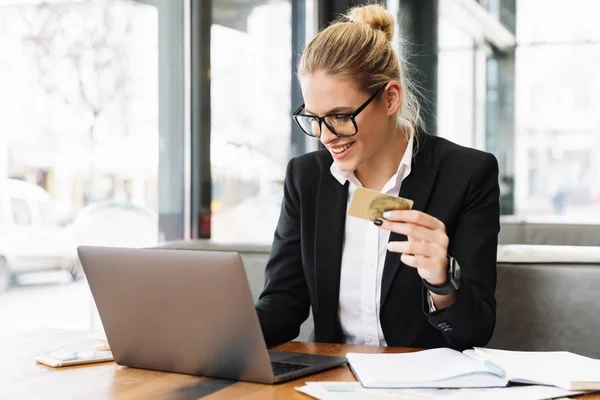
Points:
point(461, 78)
point(92, 99)
point(476, 82)
point(251, 117)
point(48, 214)
point(557, 123)
point(456, 80)
point(21, 212)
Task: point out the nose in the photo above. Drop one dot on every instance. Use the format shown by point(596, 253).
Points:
point(326, 135)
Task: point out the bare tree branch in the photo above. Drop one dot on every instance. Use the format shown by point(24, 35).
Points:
point(82, 40)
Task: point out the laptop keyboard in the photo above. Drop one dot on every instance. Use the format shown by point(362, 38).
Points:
point(282, 368)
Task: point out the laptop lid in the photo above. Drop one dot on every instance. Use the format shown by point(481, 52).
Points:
point(178, 311)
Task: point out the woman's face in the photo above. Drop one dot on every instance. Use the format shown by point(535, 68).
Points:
point(325, 94)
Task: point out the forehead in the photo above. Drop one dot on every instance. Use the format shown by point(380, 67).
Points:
point(323, 92)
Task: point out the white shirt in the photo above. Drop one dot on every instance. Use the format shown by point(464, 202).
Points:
point(363, 257)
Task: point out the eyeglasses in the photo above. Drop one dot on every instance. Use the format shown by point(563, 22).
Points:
point(341, 125)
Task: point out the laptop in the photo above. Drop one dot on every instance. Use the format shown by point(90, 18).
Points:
point(186, 311)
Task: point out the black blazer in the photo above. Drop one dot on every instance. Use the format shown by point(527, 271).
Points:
point(455, 184)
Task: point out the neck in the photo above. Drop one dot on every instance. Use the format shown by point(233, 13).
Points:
point(374, 172)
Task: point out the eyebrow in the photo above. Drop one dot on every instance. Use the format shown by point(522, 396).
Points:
point(336, 110)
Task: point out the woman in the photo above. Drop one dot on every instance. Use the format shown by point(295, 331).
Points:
point(418, 278)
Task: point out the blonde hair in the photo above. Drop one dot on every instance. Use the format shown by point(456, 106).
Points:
point(359, 46)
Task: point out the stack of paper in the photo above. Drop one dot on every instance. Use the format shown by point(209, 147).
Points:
point(355, 391)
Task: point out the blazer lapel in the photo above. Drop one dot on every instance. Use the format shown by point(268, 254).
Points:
point(329, 240)
point(417, 187)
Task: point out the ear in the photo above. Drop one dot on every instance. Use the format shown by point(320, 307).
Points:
point(393, 97)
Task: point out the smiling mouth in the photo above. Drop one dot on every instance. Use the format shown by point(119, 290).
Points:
point(341, 149)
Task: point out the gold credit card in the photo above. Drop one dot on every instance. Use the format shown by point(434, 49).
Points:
point(370, 204)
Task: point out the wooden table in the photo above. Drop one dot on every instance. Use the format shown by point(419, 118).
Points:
point(22, 378)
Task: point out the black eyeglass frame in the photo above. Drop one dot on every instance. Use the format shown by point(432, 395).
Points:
point(322, 120)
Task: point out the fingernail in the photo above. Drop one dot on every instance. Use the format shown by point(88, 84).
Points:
point(378, 222)
point(389, 245)
point(387, 214)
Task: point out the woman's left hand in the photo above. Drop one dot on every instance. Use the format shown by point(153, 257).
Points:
point(427, 245)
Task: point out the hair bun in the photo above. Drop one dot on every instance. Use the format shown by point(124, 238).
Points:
point(376, 16)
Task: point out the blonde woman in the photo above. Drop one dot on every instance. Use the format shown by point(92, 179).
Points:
point(420, 278)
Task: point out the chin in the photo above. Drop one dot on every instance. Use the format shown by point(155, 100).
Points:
point(346, 165)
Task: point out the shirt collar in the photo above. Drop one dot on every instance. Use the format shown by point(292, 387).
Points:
point(342, 176)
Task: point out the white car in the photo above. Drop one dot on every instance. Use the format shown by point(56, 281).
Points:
point(117, 224)
point(32, 238)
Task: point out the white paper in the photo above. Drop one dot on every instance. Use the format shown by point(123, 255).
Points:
point(429, 368)
point(355, 391)
point(558, 368)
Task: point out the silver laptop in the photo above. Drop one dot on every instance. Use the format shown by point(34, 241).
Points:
point(186, 311)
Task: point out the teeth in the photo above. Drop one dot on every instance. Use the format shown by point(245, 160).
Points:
point(341, 149)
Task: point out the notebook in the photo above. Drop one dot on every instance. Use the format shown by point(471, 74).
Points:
point(475, 368)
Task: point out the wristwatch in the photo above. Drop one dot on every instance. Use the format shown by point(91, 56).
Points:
point(453, 279)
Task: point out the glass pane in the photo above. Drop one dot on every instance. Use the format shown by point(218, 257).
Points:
point(3, 217)
point(557, 21)
point(456, 80)
point(558, 131)
point(80, 125)
point(21, 214)
point(557, 173)
point(501, 10)
point(251, 116)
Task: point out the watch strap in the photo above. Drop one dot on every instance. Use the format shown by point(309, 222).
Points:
point(449, 287)
point(443, 290)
